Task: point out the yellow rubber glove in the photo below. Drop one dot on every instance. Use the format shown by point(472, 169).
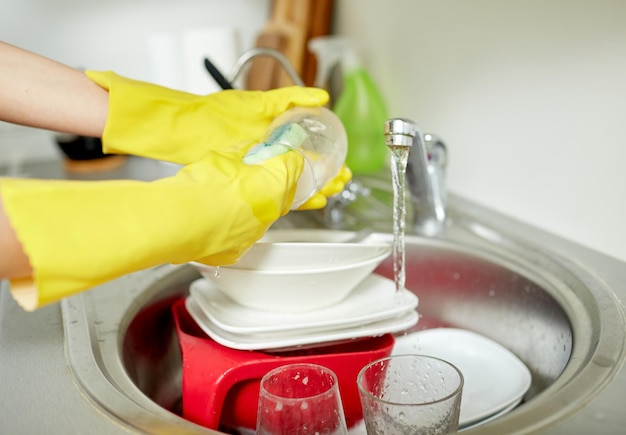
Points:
point(78, 234)
point(156, 122)
point(333, 187)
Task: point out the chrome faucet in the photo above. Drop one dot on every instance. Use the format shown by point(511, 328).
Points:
point(425, 173)
point(249, 55)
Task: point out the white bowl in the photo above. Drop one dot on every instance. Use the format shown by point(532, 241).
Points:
point(291, 256)
point(312, 235)
point(296, 277)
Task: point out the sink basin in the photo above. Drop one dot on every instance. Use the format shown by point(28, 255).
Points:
point(558, 317)
point(109, 358)
point(556, 305)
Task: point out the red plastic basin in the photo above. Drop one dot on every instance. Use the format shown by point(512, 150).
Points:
point(220, 385)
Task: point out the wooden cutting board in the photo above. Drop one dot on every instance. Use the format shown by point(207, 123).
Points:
point(292, 23)
point(320, 24)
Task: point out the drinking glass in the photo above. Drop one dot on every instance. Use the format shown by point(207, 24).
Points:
point(300, 399)
point(410, 394)
point(317, 134)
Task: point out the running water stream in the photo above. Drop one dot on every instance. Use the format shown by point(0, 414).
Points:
point(399, 158)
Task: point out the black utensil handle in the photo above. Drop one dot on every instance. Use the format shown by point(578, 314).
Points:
point(217, 75)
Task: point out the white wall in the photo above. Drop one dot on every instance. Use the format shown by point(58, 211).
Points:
point(113, 34)
point(530, 97)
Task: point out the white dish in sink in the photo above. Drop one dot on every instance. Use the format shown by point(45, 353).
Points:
point(311, 236)
point(283, 341)
point(374, 299)
point(296, 277)
point(495, 380)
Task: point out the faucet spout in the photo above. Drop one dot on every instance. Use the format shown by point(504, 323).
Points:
point(249, 55)
point(424, 175)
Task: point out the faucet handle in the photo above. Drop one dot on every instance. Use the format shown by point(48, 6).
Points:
point(334, 210)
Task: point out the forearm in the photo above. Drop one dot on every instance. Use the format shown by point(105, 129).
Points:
point(39, 92)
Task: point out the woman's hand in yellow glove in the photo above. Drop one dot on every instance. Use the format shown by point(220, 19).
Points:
point(235, 204)
point(333, 187)
point(80, 234)
point(152, 121)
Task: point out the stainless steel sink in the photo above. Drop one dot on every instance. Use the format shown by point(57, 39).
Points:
point(557, 305)
point(558, 317)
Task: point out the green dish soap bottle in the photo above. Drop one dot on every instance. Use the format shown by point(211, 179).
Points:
point(363, 112)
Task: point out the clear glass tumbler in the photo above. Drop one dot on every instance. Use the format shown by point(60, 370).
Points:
point(317, 134)
point(300, 399)
point(410, 394)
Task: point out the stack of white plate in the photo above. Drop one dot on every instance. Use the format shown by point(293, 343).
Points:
point(372, 308)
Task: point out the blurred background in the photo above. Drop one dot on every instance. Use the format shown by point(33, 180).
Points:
point(528, 96)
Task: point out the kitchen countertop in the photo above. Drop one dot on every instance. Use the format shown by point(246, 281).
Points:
point(38, 394)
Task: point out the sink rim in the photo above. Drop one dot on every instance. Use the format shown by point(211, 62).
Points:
point(593, 363)
point(600, 362)
point(600, 345)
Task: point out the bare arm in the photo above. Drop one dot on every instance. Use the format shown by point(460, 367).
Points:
point(39, 92)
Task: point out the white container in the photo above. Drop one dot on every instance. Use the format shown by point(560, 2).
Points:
point(296, 277)
point(290, 256)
